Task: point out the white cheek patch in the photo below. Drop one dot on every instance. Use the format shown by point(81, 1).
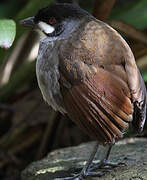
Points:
point(48, 29)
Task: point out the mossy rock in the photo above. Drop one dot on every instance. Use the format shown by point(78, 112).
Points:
point(64, 162)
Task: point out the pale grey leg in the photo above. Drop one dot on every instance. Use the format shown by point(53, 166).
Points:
point(94, 170)
point(85, 171)
point(104, 163)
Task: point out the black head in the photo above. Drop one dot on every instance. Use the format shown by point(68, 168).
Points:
point(55, 18)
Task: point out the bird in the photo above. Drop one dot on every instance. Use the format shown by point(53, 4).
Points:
point(85, 69)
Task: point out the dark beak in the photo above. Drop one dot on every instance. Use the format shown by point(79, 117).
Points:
point(28, 22)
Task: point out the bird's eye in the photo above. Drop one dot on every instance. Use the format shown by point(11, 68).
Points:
point(52, 21)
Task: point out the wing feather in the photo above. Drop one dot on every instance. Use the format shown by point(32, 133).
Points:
point(93, 105)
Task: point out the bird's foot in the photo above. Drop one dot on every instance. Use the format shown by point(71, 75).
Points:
point(107, 165)
point(83, 174)
point(96, 170)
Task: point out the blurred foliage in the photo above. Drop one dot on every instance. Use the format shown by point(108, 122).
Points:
point(7, 33)
point(144, 74)
point(133, 12)
point(25, 120)
point(6, 10)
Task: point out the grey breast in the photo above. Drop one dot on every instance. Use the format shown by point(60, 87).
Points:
point(47, 70)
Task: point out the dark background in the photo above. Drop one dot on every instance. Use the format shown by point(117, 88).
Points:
point(29, 128)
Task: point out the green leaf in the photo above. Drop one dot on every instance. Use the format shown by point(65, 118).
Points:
point(30, 9)
point(7, 33)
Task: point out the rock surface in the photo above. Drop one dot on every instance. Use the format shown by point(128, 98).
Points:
point(63, 162)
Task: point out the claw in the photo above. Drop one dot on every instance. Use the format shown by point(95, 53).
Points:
point(107, 165)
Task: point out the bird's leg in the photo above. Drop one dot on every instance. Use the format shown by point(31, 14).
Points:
point(85, 171)
point(104, 163)
point(92, 155)
point(94, 170)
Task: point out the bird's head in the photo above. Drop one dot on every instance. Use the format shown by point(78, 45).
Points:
point(56, 19)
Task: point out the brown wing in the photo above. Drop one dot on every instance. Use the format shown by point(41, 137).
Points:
point(96, 81)
point(100, 106)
